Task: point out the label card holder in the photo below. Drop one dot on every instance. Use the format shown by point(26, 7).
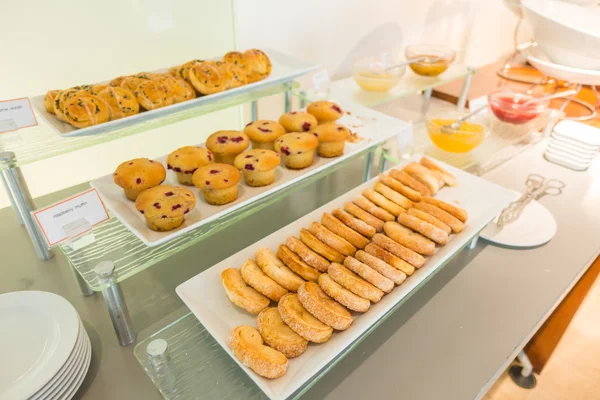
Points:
point(16, 114)
point(72, 219)
point(406, 141)
point(322, 83)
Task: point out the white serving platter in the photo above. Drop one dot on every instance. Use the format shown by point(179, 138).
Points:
point(371, 125)
point(284, 69)
point(536, 56)
point(205, 297)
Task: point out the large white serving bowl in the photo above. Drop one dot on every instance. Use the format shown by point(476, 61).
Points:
point(568, 33)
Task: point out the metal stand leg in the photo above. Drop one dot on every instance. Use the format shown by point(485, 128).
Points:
point(427, 95)
point(287, 100)
point(13, 202)
point(84, 288)
point(473, 242)
point(254, 110)
point(115, 301)
point(523, 375)
point(368, 165)
point(19, 193)
point(382, 160)
point(464, 92)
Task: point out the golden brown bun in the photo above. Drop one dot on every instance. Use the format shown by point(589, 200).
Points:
point(61, 98)
point(264, 131)
point(164, 207)
point(325, 111)
point(323, 308)
point(153, 94)
point(234, 77)
point(85, 110)
point(178, 88)
point(298, 121)
point(183, 71)
point(237, 58)
point(247, 345)
point(256, 278)
point(207, 78)
point(131, 83)
point(278, 335)
point(121, 102)
point(301, 321)
point(49, 100)
point(117, 81)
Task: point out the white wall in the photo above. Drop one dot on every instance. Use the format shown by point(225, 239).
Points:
point(69, 42)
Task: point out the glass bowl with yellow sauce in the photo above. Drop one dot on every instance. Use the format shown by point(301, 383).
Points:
point(373, 74)
point(469, 135)
point(433, 59)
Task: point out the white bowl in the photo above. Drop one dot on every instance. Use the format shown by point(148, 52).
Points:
point(568, 33)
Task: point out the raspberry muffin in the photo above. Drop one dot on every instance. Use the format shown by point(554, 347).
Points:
point(186, 160)
point(297, 149)
point(137, 175)
point(258, 166)
point(218, 182)
point(164, 207)
point(226, 145)
point(332, 138)
point(298, 121)
point(325, 111)
point(262, 133)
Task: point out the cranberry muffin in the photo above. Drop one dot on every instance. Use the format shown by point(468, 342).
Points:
point(298, 121)
point(186, 160)
point(164, 207)
point(325, 111)
point(262, 133)
point(226, 145)
point(218, 182)
point(258, 166)
point(137, 175)
point(332, 138)
point(297, 149)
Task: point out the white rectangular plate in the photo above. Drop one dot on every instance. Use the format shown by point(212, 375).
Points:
point(284, 69)
point(204, 294)
point(371, 125)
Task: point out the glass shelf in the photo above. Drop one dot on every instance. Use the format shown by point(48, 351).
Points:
point(114, 242)
point(40, 142)
point(411, 83)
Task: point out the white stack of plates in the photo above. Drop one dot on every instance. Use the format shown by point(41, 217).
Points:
point(573, 145)
point(45, 351)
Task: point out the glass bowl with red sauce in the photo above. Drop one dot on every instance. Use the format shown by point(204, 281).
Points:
point(510, 107)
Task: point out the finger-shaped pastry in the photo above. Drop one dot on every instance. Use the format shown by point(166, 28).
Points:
point(429, 178)
point(301, 321)
point(310, 257)
point(315, 244)
point(405, 191)
point(457, 212)
point(278, 335)
point(248, 346)
point(336, 226)
point(296, 264)
point(354, 283)
point(409, 181)
point(256, 278)
point(85, 110)
point(411, 257)
point(323, 308)
point(354, 223)
point(343, 295)
point(408, 238)
point(369, 274)
point(277, 270)
point(425, 228)
point(392, 195)
point(331, 239)
point(241, 294)
point(49, 100)
point(364, 216)
point(389, 258)
point(449, 219)
point(383, 202)
point(385, 269)
point(121, 102)
point(371, 208)
point(206, 78)
point(153, 94)
point(448, 178)
point(430, 218)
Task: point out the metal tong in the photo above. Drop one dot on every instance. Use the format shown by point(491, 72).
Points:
point(537, 187)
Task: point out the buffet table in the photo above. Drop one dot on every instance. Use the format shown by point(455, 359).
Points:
point(450, 340)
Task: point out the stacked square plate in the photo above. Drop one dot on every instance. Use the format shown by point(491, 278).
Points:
point(573, 145)
point(45, 349)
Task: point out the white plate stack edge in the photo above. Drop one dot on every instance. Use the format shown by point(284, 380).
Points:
point(46, 351)
point(573, 145)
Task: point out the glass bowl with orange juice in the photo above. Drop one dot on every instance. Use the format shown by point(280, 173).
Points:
point(374, 74)
point(468, 136)
point(433, 60)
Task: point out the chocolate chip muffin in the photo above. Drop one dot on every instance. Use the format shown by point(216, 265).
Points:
point(258, 166)
point(218, 182)
point(226, 145)
point(137, 175)
point(164, 207)
point(186, 160)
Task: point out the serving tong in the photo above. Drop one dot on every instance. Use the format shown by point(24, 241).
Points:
point(537, 187)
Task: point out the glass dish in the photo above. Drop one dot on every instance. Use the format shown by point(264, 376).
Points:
point(437, 58)
point(371, 75)
point(467, 137)
point(509, 107)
